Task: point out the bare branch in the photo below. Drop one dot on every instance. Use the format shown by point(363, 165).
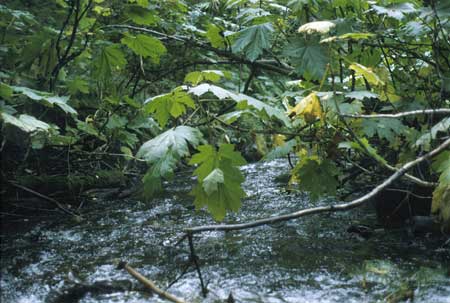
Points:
point(149, 284)
point(403, 114)
point(323, 209)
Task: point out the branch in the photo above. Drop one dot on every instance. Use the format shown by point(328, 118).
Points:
point(56, 202)
point(262, 64)
point(323, 209)
point(403, 114)
point(356, 138)
point(149, 284)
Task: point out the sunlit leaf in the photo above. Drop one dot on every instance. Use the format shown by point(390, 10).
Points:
point(321, 27)
point(173, 104)
point(46, 99)
point(215, 36)
point(5, 91)
point(206, 75)
point(175, 139)
point(26, 123)
point(145, 46)
point(308, 108)
point(367, 73)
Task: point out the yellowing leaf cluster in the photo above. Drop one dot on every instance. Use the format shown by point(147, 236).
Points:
point(308, 108)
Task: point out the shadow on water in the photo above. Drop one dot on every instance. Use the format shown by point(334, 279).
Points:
point(312, 259)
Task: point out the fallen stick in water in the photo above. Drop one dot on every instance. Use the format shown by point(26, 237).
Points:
point(149, 284)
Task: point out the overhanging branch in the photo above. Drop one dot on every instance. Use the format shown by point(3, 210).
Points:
point(261, 64)
point(440, 111)
point(322, 209)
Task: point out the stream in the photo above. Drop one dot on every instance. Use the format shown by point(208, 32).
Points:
point(311, 259)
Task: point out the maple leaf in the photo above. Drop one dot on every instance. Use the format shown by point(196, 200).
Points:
point(169, 105)
point(163, 153)
point(308, 56)
point(219, 179)
point(309, 108)
point(145, 46)
point(317, 177)
point(253, 40)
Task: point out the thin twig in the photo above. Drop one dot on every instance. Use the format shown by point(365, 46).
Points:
point(57, 203)
point(194, 259)
point(149, 284)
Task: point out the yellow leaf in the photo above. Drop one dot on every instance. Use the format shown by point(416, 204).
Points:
point(261, 145)
point(309, 108)
point(278, 140)
point(368, 73)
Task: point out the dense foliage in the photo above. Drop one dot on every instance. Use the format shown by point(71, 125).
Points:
point(204, 83)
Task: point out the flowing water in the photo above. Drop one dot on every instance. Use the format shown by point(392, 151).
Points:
point(311, 259)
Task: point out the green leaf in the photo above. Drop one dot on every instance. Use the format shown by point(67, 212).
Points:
point(145, 46)
point(371, 77)
point(110, 60)
point(116, 121)
point(207, 75)
point(169, 105)
point(175, 139)
point(89, 129)
point(215, 37)
point(141, 15)
point(244, 101)
point(77, 85)
point(26, 123)
point(441, 164)
point(281, 151)
point(6, 91)
point(308, 57)
point(47, 99)
point(366, 147)
point(425, 139)
point(212, 181)
point(163, 153)
point(386, 128)
point(253, 40)
point(318, 177)
point(219, 179)
point(161, 169)
point(396, 11)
